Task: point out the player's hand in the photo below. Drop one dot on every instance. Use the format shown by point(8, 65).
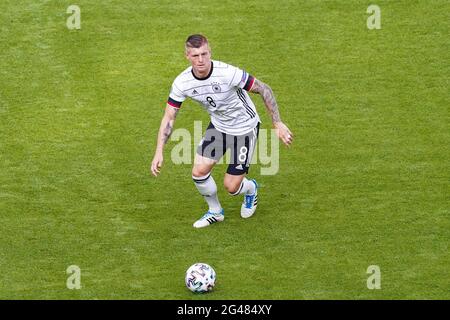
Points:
point(284, 133)
point(156, 164)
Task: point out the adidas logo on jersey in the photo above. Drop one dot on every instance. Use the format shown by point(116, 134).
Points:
point(194, 92)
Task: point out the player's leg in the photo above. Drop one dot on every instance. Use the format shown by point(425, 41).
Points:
point(209, 151)
point(235, 180)
point(238, 184)
point(204, 181)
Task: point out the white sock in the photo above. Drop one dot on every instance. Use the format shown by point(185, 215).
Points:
point(247, 187)
point(208, 189)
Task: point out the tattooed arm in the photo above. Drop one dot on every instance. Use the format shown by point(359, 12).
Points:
point(266, 94)
point(165, 130)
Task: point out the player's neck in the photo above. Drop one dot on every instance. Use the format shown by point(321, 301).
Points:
point(202, 75)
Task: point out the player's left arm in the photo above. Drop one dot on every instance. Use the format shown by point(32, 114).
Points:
point(268, 97)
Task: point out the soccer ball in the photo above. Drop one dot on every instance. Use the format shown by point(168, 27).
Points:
point(200, 278)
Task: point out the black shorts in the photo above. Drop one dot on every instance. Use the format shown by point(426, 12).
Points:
point(215, 144)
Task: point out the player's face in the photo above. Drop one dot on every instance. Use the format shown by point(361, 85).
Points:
point(200, 58)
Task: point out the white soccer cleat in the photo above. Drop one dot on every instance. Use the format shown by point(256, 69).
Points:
point(250, 202)
point(209, 218)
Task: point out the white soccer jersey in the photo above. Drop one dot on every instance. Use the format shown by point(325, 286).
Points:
point(223, 93)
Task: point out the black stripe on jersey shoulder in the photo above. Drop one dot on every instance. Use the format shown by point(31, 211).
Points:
point(241, 96)
point(250, 111)
point(249, 83)
point(174, 103)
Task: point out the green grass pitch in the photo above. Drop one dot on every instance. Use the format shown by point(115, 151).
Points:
point(366, 181)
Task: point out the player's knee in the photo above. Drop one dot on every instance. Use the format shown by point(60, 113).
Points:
point(199, 172)
point(231, 186)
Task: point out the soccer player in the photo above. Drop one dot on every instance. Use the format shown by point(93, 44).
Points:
point(222, 91)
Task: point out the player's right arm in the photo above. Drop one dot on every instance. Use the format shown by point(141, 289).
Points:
point(165, 130)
